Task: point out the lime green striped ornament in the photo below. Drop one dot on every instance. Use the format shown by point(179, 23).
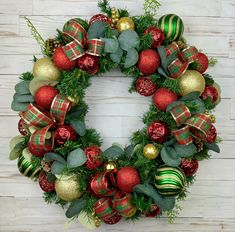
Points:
point(25, 165)
point(172, 26)
point(170, 181)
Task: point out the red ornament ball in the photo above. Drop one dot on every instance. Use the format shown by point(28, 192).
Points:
point(157, 34)
point(35, 151)
point(101, 18)
point(158, 131)
point(211, 135)
point(189, 167)
point(127, 178)
point(88, 63)
point(145, 87)
point(22, 127)
point(93, 157)
point(163, 97)
point(154, 211)
point(113, 220)
point(149, 61)
point(64, 133)
point(45, 185)
point(201, 63)
point(61, 61)
point(44, 96)
point(210, 92)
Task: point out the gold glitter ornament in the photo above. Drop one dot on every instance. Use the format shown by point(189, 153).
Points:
point(191, 81)
point(67, 188)
point(74, 100)
point(110, 166)
point(125, 23)
point(150, 152)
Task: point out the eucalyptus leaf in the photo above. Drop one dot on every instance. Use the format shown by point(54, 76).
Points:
point(51, 156)
point(76, 114)
point(212, 146)
point(76, 158)
point(131, 58)
point(50, 177)
point(170, 142)
point(78, 126)
point(170, 59)
point(15, 140)
point(57, 167)
point(185, 150)
point(169, 157)
point(22, 87)
point(128, 39)
point(111, 45)
point(129, 151)
point(198, 106)
point(113, 152)
point(173, 104)
point(19, 106)
point(117, 56)
point(162, 72)
point(17, 150)
point(75, 208)
point(190, 96)
point(24, 98)
point(96, 30)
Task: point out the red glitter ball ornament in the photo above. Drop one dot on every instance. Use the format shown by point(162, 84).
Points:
point(127, 178)
point(22, 127)
point(163, 97)
point(36, 152)
point(158, 131)
point(210, 92)
point(93, 157)
point(211, 135)
point(61, 60)
point(101, 18)
point(145, 87)
point(64, 133)
point(157, 34)
point(189, 167)
point(88, 63)
point(201, 63)
point(44, 96)
point(113, 220)
point(45, 185)
point(154, 211)
point(149, 61)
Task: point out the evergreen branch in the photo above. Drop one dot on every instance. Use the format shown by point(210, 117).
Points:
point(151, 7)
point(212, 62)
point(27, 76)
point(105, 7)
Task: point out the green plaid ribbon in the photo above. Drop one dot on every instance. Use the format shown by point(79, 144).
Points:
point(75, 36)
point(44, 121)
point(182, 116)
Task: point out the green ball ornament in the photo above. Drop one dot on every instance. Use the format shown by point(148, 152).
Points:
point(172, 26)
point(170, 181)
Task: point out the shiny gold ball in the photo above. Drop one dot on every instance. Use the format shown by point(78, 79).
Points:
point(44, 67)
point(67, 188)
point(150, 152)
point(74, 100)
point(125, 23)
point(191, 81)
point(110, 166)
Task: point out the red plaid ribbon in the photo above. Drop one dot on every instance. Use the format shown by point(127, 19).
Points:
point(44, 121)
point(75, 35)
point(197, 122)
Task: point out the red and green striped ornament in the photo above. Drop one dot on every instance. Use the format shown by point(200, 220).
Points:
point(25, 165)
point(172, 26)
point(170, 181)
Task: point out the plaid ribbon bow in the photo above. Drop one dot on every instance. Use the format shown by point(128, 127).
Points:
point(75, 35)
point(44, 121)
point(197, 122)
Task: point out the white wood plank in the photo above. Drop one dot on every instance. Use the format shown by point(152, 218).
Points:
point(16, 7)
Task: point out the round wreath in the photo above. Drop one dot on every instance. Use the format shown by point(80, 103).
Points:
point(152, 174)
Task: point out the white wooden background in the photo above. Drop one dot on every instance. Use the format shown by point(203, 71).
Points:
point(209, 24)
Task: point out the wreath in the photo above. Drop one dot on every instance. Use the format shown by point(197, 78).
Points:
point(151, 175)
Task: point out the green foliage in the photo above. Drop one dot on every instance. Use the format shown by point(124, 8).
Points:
point(92, 137)
point(36, 161)
point(212, 62)
point(201, 155)
point(141, 202)
point(208, 78)
point(51, 197)
point(106, 64)
point(60, 37)
point(151, 7)
point(27, 76)
point(172, 214)
point(171, 84)
point(143, 22)
point(105, 7)
point(66, 148)
point(145, 42)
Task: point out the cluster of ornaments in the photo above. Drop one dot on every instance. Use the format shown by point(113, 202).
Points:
point(113, 185)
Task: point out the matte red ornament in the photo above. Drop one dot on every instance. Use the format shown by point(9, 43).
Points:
point(88, 63)
point(210, 92)
point(163, 97)
point(149, 61)
point(45, 185)
point(145, 87)
point(61, 61)
point(189, 167)
point(36, 152)
point(22, 127)
point(211, 135)
point(64, 133)
point(113, 220)
point(201, 63)
point(158, 131)
point(44, 96)
point(154, 211)
point(93, 157)
point(101, 18)
point(157, 34)
point(127, 178)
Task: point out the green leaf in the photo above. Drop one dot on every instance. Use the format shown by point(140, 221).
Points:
point(162, 72)
point(22, 87)
point(78, 126)
point(76, 114)
point(169, 157)
point(111, 44)
point(75, 208)
point(185, 150)
point(128, 39)
point(198, 106)
point(170, 142)
point(117, 56)
point(50, 177)
point(173, 104)
point(24, 98)
point(212, 146)
point(190, 96)
point(51, 156)
point(131, 58)
point(15, 140)
point(17, 150)
point(76, 158)
point(165, 203)
point(18, 106)
point(57, 167)
point(113, 152)
point(96, 30)
point(129, 151)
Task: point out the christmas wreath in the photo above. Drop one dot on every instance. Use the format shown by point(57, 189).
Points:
point(151, 175)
